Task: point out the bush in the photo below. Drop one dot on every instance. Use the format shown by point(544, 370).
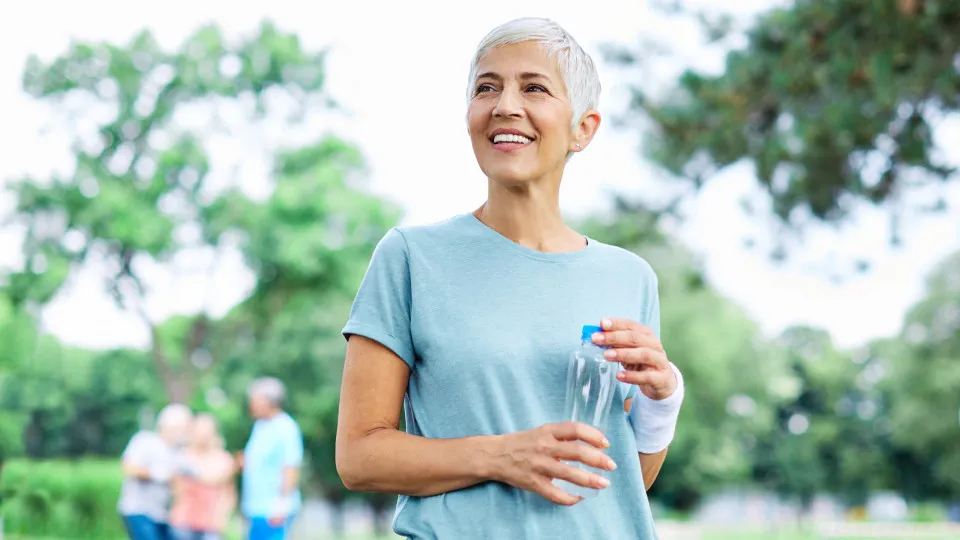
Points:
point(61, 499)
point(928, 512)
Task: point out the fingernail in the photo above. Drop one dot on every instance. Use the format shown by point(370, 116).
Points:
point(605, 442)
point(610, 354)
point(611, 465)
point(621, 375)
point(598, 338)
point(606, 323)
point(604, 483)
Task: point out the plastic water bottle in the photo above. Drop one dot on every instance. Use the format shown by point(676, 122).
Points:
point(591, 385)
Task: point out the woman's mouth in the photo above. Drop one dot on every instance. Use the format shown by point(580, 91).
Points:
point(508, 142)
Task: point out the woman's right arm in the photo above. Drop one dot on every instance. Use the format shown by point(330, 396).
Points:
point(134, 458)
point(372, 454)
point(132, 470)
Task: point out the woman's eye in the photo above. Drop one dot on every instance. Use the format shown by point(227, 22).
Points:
point(536, 88)
point(484, 88)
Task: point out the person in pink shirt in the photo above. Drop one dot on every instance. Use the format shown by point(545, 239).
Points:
point(203, 491)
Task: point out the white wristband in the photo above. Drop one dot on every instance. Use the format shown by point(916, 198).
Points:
point(654, 422)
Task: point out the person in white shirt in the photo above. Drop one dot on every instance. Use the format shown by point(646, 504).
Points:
point(149, 462)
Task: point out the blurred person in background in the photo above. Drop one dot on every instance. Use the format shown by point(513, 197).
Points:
point(467, 326)
point(271, 461)
point(203, 492)
point(149, 462)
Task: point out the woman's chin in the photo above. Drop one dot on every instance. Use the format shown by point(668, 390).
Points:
point(512, 176)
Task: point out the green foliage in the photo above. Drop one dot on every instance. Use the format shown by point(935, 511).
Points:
point(66, 402)
point(922, 378)
point(17, 333)
point(828, 435)
point(141, 186)
point(57, 499)
point(832, 101)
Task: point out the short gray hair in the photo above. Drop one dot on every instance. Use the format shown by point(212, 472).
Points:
point(269, 388)
point(575, 65)
point(174, 414)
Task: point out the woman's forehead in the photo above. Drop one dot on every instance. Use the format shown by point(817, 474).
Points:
point(518, 60)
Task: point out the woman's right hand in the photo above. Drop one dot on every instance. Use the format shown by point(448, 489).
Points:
point(531, 459)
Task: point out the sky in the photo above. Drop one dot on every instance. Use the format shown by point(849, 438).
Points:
point(399, 70)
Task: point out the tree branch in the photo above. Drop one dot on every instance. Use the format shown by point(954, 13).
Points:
point(195, 339)
point(160, 359)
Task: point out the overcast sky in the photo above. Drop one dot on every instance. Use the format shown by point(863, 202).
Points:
point(399, 68)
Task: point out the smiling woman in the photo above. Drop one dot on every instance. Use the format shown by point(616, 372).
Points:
point(520, 106)
point(466, 325)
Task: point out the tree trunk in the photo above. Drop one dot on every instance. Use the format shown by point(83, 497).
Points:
point(179, 382)
point(179, 387)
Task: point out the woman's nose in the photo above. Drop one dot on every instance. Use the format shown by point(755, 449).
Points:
point(509, 104)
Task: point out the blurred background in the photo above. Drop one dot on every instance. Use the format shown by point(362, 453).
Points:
point(191, 192)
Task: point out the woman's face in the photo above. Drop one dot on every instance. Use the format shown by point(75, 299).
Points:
point(204, 431)
point(519, 116)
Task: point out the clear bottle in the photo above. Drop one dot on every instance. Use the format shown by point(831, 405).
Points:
point(591, 385)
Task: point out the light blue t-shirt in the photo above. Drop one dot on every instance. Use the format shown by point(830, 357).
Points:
point(487, 327)
point(274, 445)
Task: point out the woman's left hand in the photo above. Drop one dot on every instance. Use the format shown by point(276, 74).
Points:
point(637, 348)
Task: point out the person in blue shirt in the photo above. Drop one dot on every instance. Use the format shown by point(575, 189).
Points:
point(271, 461)
point(466, 326)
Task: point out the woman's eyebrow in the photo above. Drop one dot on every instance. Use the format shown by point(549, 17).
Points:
point(524, 76)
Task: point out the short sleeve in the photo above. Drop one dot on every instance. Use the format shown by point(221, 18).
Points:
point(292, 446)
point(137, 450)
point(381, 309)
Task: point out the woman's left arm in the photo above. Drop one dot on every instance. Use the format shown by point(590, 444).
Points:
point(653, 413)
point(650, 464)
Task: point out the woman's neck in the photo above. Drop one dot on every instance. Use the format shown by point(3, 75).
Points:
point(201, 450)
point(530, 216)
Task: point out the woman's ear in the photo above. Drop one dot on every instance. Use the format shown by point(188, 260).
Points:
point(585, 130)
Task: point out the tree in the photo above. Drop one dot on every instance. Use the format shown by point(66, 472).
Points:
point(142, 183)
point(829, 432)
point(18, 332)
point(834, 103)
point(921, 377)
point(18, 337)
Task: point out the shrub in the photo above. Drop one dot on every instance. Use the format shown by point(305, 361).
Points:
point(61, 499)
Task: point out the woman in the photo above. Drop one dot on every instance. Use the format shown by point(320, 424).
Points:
point(148, 463)
point(204, 495)
point(468, 325)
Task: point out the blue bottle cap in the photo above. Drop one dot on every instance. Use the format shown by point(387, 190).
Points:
point(588, 331)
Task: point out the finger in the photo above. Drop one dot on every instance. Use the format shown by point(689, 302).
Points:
point(626, 338)
point(574, 451)
point(618, 338)
point(574, 475)
point(552, 493)
point(576, 431)
point(637, 357)
point(615, 323)
point(642, 378)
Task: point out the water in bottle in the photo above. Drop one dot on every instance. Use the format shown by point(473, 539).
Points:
point(591, 385)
